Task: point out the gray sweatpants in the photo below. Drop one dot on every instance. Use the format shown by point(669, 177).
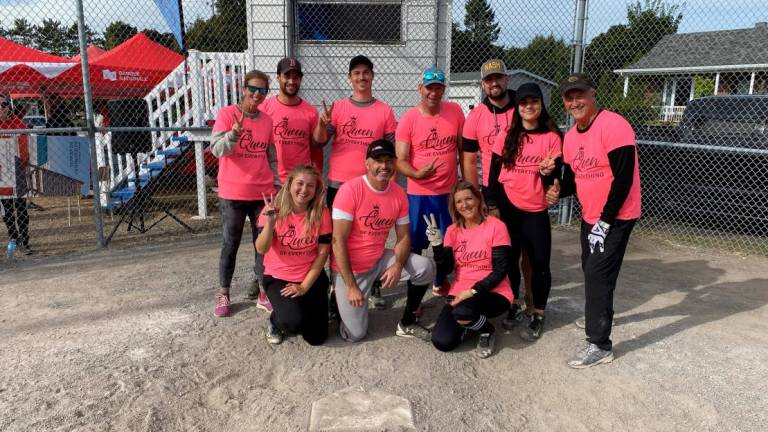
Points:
point(354, 320)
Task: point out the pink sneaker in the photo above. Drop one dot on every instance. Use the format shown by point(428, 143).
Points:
point(263, 302)
point(222, 305)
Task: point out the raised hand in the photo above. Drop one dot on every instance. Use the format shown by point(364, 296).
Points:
point(547, 165)
point(553, 193)
point(325, 115)
point(596, 237)
point(270, 211)
point(433, 230)
point(237, 126)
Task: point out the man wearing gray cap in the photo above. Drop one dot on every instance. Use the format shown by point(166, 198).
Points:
point(601, 153)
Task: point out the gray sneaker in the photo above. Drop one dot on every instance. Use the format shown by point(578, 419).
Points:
point(485, 345)
point(413, 330)
point(274, 335)
point(253, 290)
point(590, 356)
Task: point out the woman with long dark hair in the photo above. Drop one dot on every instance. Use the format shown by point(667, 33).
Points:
point(295, 238)
point(476, 248)
point(524, 165)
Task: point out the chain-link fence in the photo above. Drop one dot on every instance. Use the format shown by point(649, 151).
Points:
point(692, 78)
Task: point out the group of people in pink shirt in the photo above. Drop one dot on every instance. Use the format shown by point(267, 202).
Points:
point(485, 227)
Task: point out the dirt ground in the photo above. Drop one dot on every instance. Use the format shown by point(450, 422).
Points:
point(126, 340)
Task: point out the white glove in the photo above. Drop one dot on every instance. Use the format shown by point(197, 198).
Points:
point(596, 237)
point(433, 230)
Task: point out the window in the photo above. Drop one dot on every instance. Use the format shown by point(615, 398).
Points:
point(349, 22)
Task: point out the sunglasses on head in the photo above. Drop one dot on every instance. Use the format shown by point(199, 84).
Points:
point(433, 76)
point(260, 90)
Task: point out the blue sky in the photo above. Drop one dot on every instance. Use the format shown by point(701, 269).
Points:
point(520, 20)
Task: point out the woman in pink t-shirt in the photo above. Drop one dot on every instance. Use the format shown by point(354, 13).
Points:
point(295, 238)
point(242, 141)
point(476, 248)
point(523, 167)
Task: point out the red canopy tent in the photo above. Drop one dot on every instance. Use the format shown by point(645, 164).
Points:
point(24, 69)
point(129, 70)
point(93, 52)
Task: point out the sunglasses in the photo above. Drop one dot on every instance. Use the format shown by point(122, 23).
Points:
point(433, 76)
point(5, 104)
point(260, 90)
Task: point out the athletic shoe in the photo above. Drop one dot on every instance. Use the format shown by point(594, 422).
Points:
point(376, 300)
point(485, 345)
point(253, 290)
point(263, 302)
point(532, 332)
point(589, 356)
point(333, 309)
point(222, 305)
point(514, 316)
point(273, 334)
point(413, 330)
point(582, 323)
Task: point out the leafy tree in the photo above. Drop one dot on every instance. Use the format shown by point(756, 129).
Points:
point(224, 31)
point(51, 36)
point(165, 39)
point(475, 43)
point(22, 32)
point(480, 22)
point(703, 86)
point(118, 32)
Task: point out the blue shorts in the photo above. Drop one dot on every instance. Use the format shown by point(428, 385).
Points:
point(419, 205)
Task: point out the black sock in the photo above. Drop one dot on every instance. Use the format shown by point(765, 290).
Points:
point(412, 302)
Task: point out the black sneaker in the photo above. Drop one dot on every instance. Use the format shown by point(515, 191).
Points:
point(253, 290)
point(486, 344)
point(273, 334)
point(333, 309)
point(514, 316)
point(532, 332)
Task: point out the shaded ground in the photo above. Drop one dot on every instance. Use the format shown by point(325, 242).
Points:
point(126, 340)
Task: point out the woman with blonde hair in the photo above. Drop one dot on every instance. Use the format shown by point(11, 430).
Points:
point(476, 248)
point(294, 235)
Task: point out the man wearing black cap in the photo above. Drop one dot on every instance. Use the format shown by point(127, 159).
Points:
point(354, 123)
point(364, 211)
point(601, 153)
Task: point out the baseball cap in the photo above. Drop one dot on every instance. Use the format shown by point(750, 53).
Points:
point(433, 75)
point(380, 147)
point(528, 89)
point(578, 81)
point(360, 60)
point(288, 64)
point(493, 66)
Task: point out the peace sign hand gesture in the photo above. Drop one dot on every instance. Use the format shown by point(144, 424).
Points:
point(428, 170)
point(270, 211)
point(325, 115)
point(547, 165)
point(237, 126)
point(433, 230)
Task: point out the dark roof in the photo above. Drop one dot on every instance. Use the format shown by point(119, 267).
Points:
point(716, 48)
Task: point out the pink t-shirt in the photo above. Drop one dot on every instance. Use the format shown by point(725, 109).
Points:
point(484, 126)
point(356, 127)
point(472, 254)
point(372, 213)
point(291, 132)
point(291, 254)
point(245, 174)
point(522, 183)
point(587, 154)
point(430, 138)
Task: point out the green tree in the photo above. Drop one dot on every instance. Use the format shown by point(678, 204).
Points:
point(118, 32)
point(480, 22)
point(165, 39)
point(703, 86)
point(225, 31)
point(22, 32)
point(476, 42)
point(50, 36)
point(72, 40)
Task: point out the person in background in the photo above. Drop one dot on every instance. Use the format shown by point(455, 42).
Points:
point(295, 238)
point(242, 140)
point(14, 158)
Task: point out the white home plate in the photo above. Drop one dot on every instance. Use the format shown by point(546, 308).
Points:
point(358, 410)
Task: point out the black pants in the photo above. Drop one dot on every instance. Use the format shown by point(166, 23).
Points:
point(233, 215)
point(16, 219)
point(601, 270)
point(307, 314)
point(448, 333)
point(330, 195)
point(530, 231)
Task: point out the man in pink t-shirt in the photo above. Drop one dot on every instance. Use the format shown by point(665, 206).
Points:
point(600, 152)
point(428, 140)
point(365, 210)
point(354, 123)
point(294, 120)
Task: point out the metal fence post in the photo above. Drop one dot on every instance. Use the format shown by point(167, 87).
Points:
point(88, 98)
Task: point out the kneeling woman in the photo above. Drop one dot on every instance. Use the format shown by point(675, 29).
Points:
point(295, 238)
point(476, 247)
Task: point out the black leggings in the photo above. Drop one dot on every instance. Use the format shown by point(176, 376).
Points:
point(530, 231)
point(233, 215)
point(16, 219)
point(448, 333)
point(307, 314)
